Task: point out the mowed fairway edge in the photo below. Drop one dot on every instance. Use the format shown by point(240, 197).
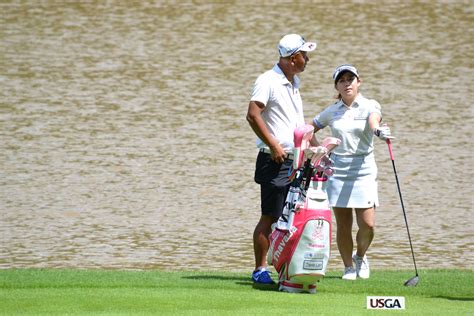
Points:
point(115, 292)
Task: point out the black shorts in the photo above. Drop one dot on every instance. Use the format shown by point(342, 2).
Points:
point(274, 183)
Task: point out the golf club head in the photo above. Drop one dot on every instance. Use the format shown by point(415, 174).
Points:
point(413, 281)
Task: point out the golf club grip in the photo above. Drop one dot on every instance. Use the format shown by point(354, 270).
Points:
point(389, 143)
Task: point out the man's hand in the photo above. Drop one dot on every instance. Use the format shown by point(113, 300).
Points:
point(278, 154)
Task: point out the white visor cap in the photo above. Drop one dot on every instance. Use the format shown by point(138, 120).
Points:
point(343, 68)
point(292, 43)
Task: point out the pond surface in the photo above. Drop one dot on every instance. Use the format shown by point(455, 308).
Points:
point(124, 144)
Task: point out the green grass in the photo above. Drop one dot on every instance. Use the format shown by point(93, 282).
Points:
point(111, 292)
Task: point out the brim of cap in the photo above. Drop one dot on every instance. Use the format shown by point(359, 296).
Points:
point(308, 47)
point(343, 70)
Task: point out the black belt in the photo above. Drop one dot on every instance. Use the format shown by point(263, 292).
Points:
point(268, 151)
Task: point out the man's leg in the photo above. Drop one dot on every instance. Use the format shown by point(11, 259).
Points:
point(274, 185)
point(260, 240)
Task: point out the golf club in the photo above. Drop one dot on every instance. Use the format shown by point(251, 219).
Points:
point(414, 280)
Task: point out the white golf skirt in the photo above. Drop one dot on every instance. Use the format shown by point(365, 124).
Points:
point(354, 182)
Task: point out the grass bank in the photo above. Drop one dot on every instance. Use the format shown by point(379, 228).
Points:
point(111, 292)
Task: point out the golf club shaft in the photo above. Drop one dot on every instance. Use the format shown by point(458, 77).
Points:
point(401, 201)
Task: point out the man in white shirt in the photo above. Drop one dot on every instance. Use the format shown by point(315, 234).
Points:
point(274, 111)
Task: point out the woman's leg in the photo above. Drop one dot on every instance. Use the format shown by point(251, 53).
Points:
point(344, 234)
point(365, 234)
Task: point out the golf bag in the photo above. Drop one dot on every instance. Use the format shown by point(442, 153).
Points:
point(300, 242)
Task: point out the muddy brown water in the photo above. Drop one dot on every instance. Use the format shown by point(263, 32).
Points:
point(124, 144)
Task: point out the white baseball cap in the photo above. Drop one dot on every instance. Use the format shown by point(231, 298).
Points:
point(293, 43)
point(343, 68)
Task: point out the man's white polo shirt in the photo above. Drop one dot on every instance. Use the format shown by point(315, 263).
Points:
point(283, 106)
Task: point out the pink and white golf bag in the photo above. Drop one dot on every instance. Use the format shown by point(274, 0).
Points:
point(300, 243)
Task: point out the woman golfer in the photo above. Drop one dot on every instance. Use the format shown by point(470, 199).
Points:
point(355, 120)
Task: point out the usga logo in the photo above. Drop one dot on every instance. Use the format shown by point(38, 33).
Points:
point(385, 302)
